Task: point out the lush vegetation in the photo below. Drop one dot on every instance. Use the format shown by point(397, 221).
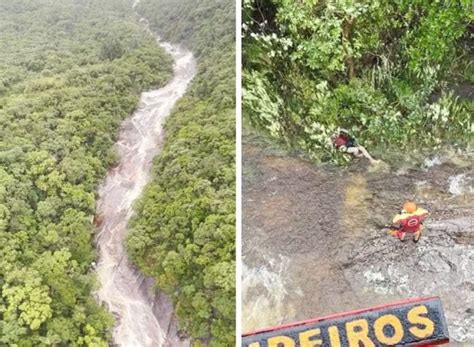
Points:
point(384, 69)
point(184, 232)
point(70, 72)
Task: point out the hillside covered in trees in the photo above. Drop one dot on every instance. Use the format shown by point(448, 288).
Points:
point(70, 72)
point(398, 74)
point(184, 231)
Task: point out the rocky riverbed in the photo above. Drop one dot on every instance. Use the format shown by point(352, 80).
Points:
point(314, 244)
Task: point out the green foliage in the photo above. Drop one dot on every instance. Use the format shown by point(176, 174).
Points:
point(184, 231)
point(70, 72)
point(376, 68)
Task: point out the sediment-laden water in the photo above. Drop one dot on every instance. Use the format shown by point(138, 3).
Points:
point(143, 317)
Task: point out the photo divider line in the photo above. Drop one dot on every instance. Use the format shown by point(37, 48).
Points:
point(238, 115)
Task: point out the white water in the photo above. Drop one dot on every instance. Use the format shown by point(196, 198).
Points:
point(432, 161)
point(461, 184)
point(267, 288)
point(142, 318)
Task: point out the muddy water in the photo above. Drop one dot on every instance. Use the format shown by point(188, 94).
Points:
point(143, 318)
point(313, 242)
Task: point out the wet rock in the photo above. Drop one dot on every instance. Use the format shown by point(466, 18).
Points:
point(438, 266)
point(329, 225)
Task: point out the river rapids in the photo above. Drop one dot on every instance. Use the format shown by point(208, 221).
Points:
point(143, 317)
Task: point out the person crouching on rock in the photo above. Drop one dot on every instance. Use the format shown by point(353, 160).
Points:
point(409, 220)
point(346, 143)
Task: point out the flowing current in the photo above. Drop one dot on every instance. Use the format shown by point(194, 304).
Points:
point(142, 317)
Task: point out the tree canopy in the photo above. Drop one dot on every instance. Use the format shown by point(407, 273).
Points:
point(184, 231)
point(70, 72)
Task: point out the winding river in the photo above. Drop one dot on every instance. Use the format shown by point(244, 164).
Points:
point(143, 317)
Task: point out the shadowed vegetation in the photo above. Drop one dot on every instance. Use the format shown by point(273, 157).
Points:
point(397, 74)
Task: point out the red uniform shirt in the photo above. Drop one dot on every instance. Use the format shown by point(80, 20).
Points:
point(410, 223)
point(341, 140)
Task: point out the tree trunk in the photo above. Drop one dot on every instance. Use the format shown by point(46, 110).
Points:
point(349, 60)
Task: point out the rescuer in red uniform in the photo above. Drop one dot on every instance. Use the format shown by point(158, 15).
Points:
point(409, 220)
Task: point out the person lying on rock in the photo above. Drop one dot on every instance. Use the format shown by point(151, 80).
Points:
point(348, 144)
point(409, 220)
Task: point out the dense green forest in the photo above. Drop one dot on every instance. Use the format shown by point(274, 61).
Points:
point(184, 232)
point(70, 72)
point(398, 74)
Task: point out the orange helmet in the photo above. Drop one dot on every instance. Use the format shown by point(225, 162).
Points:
point(409, 206)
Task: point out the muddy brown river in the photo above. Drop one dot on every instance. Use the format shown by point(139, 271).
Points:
point(143, 316)
point(313, 242)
